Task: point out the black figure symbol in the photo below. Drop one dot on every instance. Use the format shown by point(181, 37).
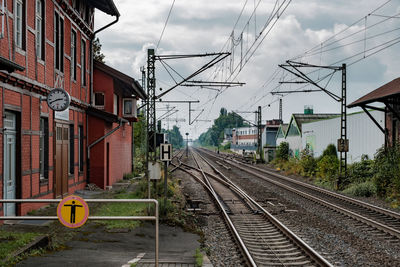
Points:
point(73, 210)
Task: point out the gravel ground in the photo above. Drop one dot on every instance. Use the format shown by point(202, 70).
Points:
point(218, 243)
point(341, 240)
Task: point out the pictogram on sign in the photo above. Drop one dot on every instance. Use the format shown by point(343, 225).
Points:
point(73, 211)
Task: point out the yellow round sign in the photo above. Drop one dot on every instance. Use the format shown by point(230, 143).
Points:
point(73, 211)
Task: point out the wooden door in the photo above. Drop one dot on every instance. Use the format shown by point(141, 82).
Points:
point(62, 141)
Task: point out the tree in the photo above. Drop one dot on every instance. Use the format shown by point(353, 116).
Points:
point(175, 137)
point(97, 54)
point(215, 135)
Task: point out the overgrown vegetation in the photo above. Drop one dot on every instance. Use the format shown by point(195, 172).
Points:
point(369, 177)
point(11, 242)
point(198, 257)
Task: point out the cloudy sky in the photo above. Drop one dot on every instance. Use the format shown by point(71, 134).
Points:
point(365, 40)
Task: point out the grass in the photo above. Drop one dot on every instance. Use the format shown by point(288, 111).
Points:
point(199, 258)
point(12, 241)
point(121, 209)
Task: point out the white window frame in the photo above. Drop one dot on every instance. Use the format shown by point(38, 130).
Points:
point(60, 38)
point(19, 4)
point(2, 15)
point(104, 100)
point(73, 54)
point(39, 28)
point(132, 114)
point(115, 104)
point(83, 62)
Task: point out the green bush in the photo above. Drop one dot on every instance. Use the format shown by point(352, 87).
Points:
point(282, 152)
point(328, 167)
point(308, 162)
point(365, 189)
point(360, 172)
point(330, 150)
point(227, 146)
point(386, 167)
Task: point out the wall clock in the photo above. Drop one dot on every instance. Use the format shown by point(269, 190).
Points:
point(58, 99)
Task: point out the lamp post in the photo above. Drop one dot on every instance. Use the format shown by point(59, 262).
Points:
point(187, 145)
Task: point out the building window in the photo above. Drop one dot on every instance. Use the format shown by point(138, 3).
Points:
point(73, 55)
point(116, 105)
point(59, 42)
point(83, 62)
point(39, 29)
point(20, 24)
point(99, 100)
point(129, 107)
point(71, 150)
point(44, 149)
point(80, 136)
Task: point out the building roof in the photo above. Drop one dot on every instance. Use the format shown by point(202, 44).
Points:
point(107, 6)
point(378, 95)
point(304, 118)
point(124, 81)
point(9, 66)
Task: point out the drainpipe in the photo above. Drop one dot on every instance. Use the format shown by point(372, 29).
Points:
point(91, 95)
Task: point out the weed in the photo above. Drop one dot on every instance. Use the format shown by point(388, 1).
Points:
point(366, 189)
point(199, 258)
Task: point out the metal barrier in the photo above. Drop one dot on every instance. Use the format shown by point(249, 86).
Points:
point(140, 218)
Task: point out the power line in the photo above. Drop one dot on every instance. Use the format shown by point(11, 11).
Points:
point(165, 24)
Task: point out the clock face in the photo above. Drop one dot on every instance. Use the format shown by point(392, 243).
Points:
point(58, 99)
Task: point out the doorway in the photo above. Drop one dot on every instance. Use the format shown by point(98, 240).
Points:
point(10, 162)
point(61, 159)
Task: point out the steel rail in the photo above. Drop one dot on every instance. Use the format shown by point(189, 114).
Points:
point(317, 258)
point(346, 212)
point(225, 215)
point(228, 220)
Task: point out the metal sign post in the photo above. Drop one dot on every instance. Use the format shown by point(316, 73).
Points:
point(166, 156)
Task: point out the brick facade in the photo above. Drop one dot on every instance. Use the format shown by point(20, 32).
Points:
point(20, 93)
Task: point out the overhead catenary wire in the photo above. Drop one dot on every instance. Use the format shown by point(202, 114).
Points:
point(165, 24)
point(367, 52)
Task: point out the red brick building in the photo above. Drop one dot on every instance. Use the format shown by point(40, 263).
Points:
point(44, 44)
point(110, 124)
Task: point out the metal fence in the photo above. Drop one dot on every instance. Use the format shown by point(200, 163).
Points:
point(140, 218)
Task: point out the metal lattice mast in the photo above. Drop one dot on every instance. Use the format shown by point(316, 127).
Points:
point(343, 129)
point(151, 107)
point(280, 110)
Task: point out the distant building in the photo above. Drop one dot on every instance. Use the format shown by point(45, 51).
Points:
point(268, 137)
point(269, 132)
point(244, 139)
point(227, 136)
point(364, 138)
point(388, 95)
point(110, 124)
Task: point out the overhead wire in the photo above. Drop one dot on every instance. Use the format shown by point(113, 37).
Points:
point(165, 24)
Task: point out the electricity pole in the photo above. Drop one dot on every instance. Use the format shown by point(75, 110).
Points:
point(343, 142)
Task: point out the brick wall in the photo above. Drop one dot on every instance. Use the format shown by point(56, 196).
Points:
point(21, 95)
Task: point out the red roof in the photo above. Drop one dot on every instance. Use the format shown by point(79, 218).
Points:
point(378, 95)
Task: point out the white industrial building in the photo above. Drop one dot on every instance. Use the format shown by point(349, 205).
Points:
point(364, 137)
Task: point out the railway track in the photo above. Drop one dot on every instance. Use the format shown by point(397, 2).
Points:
point(262, 239)
point(386, 221)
